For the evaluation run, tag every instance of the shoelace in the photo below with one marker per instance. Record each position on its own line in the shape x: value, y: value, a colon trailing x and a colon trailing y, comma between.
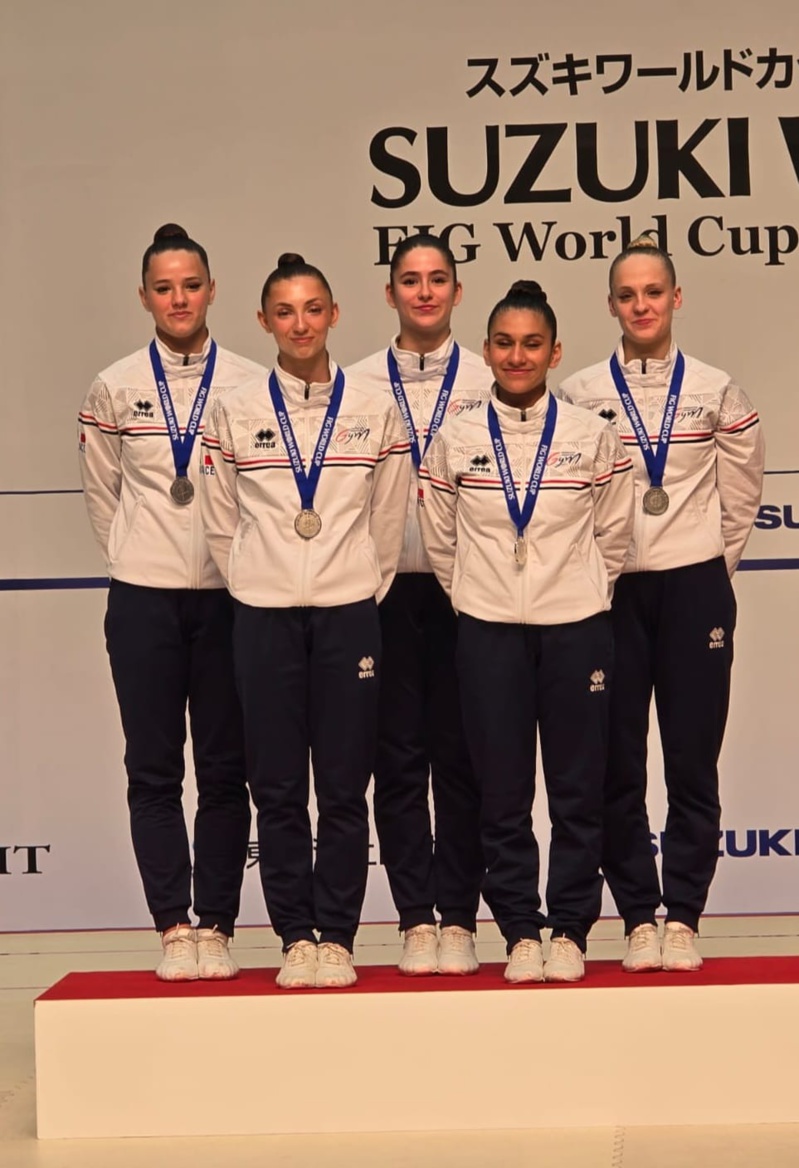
x: 524, y: 950
x: 179, y: 945
x: 680, y: 939
x: 332, y: 954
x: 417, y: 942
x: 298, y: 954
x: 459, y: 940
x: 561, y: 947
x: 642, y: 939
x: 214, y: 946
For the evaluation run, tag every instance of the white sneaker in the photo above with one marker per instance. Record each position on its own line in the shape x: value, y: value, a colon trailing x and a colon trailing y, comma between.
x: 419, y: 951
x: 565, y: 961
x: 526, y: 962
x: 335, y: 969
x: 679, y: 951
x: 643, y: 950
x: 456, y: 951
x: 298, y: 971
x: 179, y: 962
x: 214, y: 962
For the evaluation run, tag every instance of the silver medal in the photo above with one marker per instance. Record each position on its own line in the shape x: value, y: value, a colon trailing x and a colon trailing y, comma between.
x: 520, y: 551
x: 307, y: 524
x: 182, y: 491
x: 656, y: 501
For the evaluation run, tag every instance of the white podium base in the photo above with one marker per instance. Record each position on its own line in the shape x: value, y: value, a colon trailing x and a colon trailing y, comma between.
x: 120, y: 1054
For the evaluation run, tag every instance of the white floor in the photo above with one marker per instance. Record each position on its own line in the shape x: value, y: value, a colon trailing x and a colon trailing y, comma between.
x: 31, y: 962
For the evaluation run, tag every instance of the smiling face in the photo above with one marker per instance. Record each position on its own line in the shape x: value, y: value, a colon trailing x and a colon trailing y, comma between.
x: 298, y: 313
x: 424, y: 291
x: 643, y: 300
x: 177, y: 293
x: 520, y: 353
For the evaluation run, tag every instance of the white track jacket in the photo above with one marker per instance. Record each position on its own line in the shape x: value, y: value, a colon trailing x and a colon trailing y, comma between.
x: 127, y: 467
x: 250, y: 498
x: 576, y: 540
x: 422, y: 377
x: 714, y: 470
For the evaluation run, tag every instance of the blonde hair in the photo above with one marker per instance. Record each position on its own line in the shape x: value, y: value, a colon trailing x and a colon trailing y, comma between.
x: 644, y: 244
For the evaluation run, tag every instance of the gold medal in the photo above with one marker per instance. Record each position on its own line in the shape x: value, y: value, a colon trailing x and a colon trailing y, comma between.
x: 307, y: 524
x: 520, y: 551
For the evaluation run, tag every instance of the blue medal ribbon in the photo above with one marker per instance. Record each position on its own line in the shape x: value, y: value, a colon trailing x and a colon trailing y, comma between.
x: 306, y: 483
x: 182, y: 446
x: 417, y: 453
x: 655, y: 460
x: 521, y: 516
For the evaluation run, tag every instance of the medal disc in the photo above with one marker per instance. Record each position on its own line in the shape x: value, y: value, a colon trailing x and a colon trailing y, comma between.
x: 182, y: 491
x: 307, y: 524
x: 520, y: 552
x: 656, y: 501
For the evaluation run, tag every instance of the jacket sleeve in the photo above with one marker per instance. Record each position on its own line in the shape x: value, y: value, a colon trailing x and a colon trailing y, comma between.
x: 614, y: 502
x: 100, y: 447
x: 740, y: 461
x: 219, y: 501
x: 389, y: 507
x: 438, y: 501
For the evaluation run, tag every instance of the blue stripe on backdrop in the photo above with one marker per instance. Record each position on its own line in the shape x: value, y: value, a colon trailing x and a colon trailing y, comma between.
x: 55, y: 583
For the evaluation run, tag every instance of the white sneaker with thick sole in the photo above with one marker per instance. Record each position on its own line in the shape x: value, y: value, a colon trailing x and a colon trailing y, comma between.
x: 335, y: 969
x: 643, y: 950
x: 419, y: 951
x: 565, y: 961
x: 179, y: 962
x: 214, y: 962
x: 525, y: 962
x: 456, y: 952
x: 298, y: 971
x: 680, y: 954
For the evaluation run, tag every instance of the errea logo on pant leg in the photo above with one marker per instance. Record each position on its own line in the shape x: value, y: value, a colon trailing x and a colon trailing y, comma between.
x: 366, y: 667
x: 597, y: 681
x: 716, y: 639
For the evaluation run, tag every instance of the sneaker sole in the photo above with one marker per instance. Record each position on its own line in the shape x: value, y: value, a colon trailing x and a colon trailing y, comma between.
x: 449, y: 972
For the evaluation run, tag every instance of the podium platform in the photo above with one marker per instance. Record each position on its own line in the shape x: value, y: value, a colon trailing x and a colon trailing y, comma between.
x: 121, y: 1054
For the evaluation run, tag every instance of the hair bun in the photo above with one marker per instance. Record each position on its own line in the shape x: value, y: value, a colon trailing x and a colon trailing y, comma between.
x: 528, y: 288
x: 643, y: 240
x: 288, y: 258
x: 170, y: 231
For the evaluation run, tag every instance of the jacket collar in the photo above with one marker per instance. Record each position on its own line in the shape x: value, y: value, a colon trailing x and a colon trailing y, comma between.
x: 414, y: 367
x: 514, y: 418
x: 301, y: 393
x: 173, y: 362
x: 655, y: 368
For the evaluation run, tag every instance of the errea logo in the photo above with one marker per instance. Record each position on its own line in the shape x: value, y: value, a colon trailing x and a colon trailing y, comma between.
x: 366, y: 667
x: 264, y: 440
x: 597, y: 680
x: 716, y: 639
x: 142, y: 408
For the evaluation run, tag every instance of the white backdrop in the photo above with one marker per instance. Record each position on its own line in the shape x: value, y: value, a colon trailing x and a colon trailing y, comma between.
x: 333, y: 129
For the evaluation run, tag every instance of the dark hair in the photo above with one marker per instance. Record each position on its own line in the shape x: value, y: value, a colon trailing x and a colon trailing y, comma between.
x: 422, y: 240
x: 290, y: 265
x: 525, y: 294
x: 643, y: 245
x: 173, y: 237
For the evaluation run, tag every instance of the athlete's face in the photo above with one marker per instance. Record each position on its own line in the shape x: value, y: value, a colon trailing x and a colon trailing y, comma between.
x: 643, y: 299
x: 177, y: 292
x: 424, y: 292
x: 299, y: 313
x: 520, y: 353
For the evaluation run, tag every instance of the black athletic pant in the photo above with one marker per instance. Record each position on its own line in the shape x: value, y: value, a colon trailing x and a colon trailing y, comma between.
x: 308, y: 680
x: 169, y: 647
x: 421, y: 734
x: 674, y: 634
x: 515, y: 678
